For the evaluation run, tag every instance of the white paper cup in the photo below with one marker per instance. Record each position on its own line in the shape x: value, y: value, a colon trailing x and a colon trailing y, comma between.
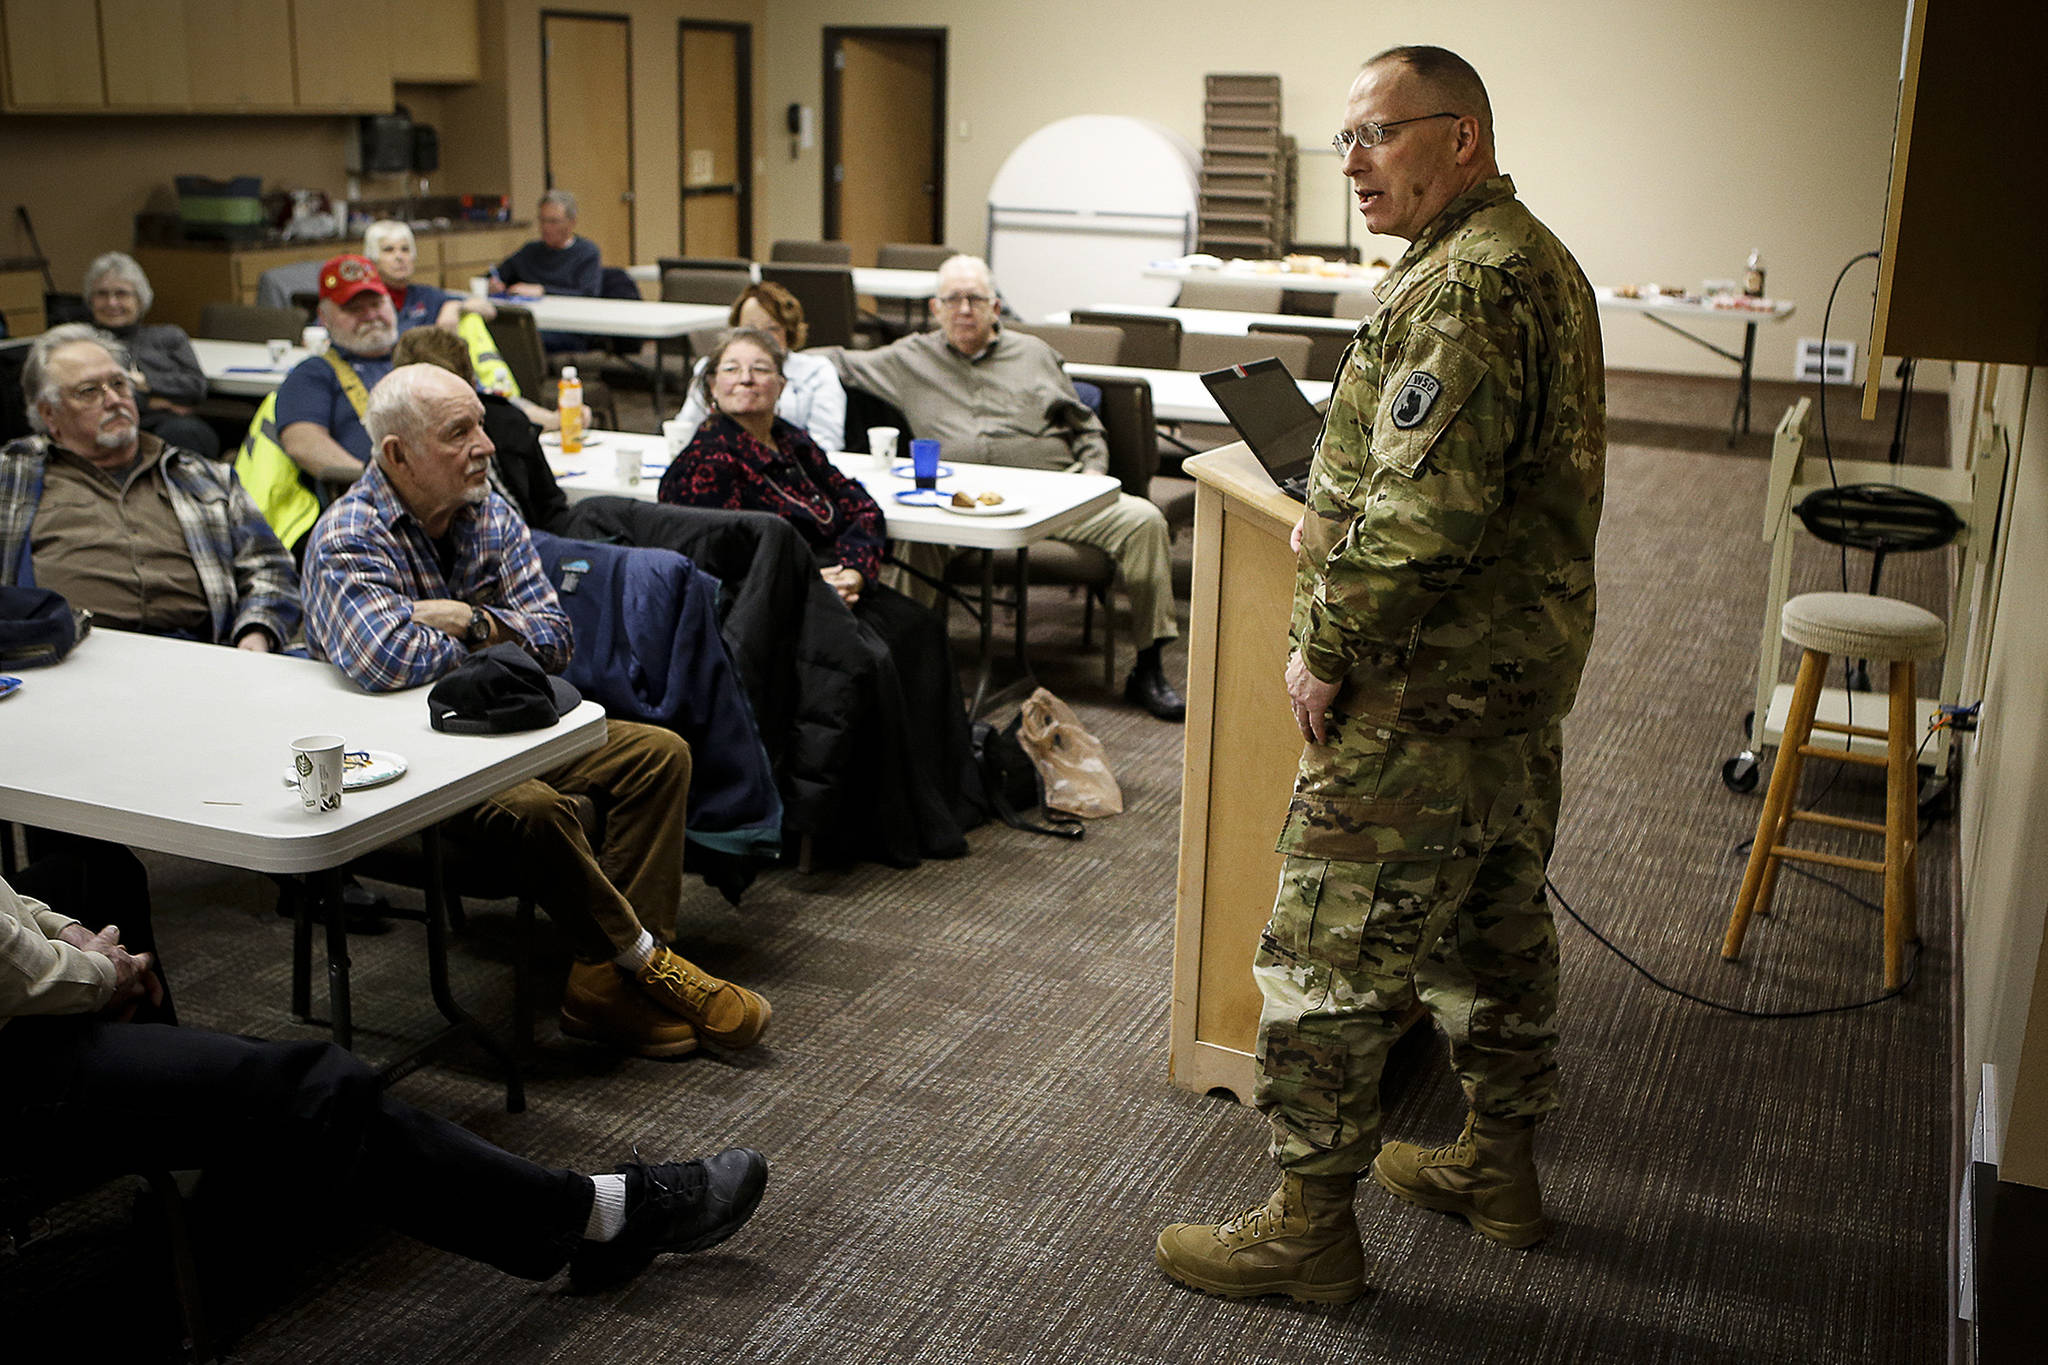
x: 672, y: 437
x: 628, y: 456
x: 316, y: 766
x: 278, y: 348
x: 479, y: 286
x: 314, y: 339
x: 882, y: 445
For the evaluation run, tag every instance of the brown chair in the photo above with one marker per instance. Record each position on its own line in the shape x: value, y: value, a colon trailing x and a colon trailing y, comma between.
x: 1325, y: 347
x: 1205, y: 351
x: 518, y: 340
x: 739, y: 263
x: 680, y: 285
x: 1077, y: 344
x: 812, y: 253
x: 1150, y: 343
x: 249, y: 322
x: 1132, y: 436
x: 912, y: 256
x: 826, y: 293
x: 1243, y: 296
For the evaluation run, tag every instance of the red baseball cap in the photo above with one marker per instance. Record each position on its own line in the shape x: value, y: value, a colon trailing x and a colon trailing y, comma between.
x: 344, y: 277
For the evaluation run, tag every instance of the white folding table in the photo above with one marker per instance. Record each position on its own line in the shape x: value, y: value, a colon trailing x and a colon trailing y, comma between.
x: 1046, y: 501
x: 1663, y: 308
x: 242, y: 369
x: 1180, y: 395
x: 1356, y: 279
x: 183, y: 747
x: 1226, y: 322
x: 639, y: 319
x: 874, y: 281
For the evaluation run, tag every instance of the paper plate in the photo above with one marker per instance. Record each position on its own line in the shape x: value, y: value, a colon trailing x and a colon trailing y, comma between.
x: 554, y: 438
x: 1005, y: 508
x: 907, y: 471
x: 361, y: 768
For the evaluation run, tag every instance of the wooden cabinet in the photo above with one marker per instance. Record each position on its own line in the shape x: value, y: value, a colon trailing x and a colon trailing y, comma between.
x: 239, y: 53
x: 1962, y: 275
x: 440, y: 45
x: 339, y: 55
x: 143, y: 47
x: 21, y: 300
x: 229, y: 56
x: 53, y: 56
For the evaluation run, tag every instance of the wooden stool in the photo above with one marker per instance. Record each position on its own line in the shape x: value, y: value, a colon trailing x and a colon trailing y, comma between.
x: 1850, y: 625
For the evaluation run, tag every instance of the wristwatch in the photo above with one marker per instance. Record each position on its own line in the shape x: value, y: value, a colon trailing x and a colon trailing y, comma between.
x: 479, y: 633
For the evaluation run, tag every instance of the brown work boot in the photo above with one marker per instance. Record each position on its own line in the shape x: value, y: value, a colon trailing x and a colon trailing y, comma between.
x: 601, y: 1006
x: 1488, y: 1177
x: 1303, y: 1242
x: 729, y: 1015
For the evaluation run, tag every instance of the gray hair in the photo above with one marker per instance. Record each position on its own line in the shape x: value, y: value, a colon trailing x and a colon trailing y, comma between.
x: 765, y: 340
x: 37, y: 387
x: 395, y: 409
x: 375, y: 234
x: 561, y: 199
x: 974, y: 263
x: 123, y: 267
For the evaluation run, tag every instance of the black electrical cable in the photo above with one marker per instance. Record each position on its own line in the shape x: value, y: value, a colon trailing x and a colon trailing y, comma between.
x: 1912, y: 967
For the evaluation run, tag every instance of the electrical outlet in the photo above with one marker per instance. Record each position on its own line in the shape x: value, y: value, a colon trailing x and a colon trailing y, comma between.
x: 1841, y: 361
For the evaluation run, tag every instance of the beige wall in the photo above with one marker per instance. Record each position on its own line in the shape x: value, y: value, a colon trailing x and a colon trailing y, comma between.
x: 2005, y: 806
x: 1662, y: 139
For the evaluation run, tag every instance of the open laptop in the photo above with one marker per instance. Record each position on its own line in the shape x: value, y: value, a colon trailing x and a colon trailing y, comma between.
x: 1265, y: 405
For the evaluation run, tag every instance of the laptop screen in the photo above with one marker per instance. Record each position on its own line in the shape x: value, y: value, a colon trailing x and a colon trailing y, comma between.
x: 1266, y: 406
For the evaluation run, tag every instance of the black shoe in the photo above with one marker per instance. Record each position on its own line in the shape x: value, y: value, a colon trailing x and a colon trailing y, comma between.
x: 1148, y: 687
x: 677, y: 1207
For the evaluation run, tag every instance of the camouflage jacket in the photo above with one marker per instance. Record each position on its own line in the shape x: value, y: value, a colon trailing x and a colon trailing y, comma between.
x: 1446, y: 571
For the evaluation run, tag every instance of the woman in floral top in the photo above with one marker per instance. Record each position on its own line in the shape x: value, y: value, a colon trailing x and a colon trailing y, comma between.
x: 745, y: 457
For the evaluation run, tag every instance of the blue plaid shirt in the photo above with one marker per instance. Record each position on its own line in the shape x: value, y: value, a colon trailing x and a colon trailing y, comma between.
x: 369, y: 559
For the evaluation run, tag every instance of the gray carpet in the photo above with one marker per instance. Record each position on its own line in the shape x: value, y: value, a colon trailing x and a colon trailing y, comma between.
x: 964, y: 1098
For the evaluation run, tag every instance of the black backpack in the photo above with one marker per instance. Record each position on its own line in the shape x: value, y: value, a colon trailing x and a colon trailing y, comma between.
x: 1010, y: 780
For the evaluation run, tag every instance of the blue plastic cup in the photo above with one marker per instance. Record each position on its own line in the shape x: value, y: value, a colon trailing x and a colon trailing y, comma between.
x: 924, y: 462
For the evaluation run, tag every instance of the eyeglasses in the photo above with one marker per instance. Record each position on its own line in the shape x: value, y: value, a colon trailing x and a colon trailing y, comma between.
x: 965, y: 300
x: 1373, y: 134
x: 732, y: 369
x: 96, y: 392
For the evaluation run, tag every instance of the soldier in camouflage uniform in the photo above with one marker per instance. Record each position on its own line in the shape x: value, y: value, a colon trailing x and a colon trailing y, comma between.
x: 1443, y: 609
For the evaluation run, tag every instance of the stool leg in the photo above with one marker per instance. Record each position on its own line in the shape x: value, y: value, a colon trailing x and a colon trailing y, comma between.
x: 1901, y: 832
x: 1777, y: 802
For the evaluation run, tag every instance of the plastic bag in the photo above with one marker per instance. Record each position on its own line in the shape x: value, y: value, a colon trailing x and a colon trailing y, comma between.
x: 1070, y: 760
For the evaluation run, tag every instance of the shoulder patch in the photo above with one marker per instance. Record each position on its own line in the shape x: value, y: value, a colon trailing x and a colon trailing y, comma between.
x: 1418, y: 393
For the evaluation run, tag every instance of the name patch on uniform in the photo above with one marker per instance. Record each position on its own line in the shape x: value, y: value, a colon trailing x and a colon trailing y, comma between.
x: 1418, y: 394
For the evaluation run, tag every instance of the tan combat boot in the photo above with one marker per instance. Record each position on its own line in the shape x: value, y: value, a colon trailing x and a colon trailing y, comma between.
x: 1303, y: 1242
x: 1488, y: 1176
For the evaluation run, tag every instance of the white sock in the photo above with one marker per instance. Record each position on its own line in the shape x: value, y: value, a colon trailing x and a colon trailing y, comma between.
x: 607, y: 1208
x: 636, y: 957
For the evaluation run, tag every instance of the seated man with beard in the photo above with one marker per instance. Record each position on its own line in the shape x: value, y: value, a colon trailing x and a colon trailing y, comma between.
x: 321, y: 403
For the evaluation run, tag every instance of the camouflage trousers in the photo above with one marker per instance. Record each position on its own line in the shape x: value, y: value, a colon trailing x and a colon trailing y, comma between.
x: 1438, y: 897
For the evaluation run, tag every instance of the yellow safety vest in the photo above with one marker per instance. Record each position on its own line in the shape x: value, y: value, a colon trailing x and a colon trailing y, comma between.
x: 273, y: 480
x: 493, y: 375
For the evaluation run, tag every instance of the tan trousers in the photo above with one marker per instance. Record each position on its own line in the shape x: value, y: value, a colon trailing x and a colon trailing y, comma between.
x: 639, y: 781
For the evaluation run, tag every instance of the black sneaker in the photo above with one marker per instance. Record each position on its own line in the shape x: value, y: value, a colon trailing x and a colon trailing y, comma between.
x: 676, y: 1207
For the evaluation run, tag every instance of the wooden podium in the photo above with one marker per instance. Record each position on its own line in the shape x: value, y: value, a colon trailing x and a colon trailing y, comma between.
x: 1242, y: 750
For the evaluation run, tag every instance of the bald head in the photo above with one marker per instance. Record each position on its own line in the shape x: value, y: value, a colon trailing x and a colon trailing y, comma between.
x: 1441, y: 73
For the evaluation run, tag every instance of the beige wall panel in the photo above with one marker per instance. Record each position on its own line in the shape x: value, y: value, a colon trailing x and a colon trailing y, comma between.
x: 1661, y: 140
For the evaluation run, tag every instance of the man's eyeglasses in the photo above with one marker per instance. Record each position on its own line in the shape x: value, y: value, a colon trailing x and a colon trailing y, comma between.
x: 1373, y: 134
x: 965, y: 300
x: 732, y: 369
x: 96, y: 392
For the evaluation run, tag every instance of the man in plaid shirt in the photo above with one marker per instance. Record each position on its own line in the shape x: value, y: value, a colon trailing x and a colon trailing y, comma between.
x: 144, y: 535
x: 419, y: 564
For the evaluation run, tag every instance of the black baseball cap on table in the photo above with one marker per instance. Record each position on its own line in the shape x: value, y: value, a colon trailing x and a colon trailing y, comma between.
x: 499, y: 691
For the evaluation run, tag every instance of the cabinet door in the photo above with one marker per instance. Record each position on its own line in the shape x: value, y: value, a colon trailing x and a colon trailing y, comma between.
x: 53, y: 55
x: 144, y: 47
x: 440, y: 43
x: 339, y: 57
x: 239, y: 54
